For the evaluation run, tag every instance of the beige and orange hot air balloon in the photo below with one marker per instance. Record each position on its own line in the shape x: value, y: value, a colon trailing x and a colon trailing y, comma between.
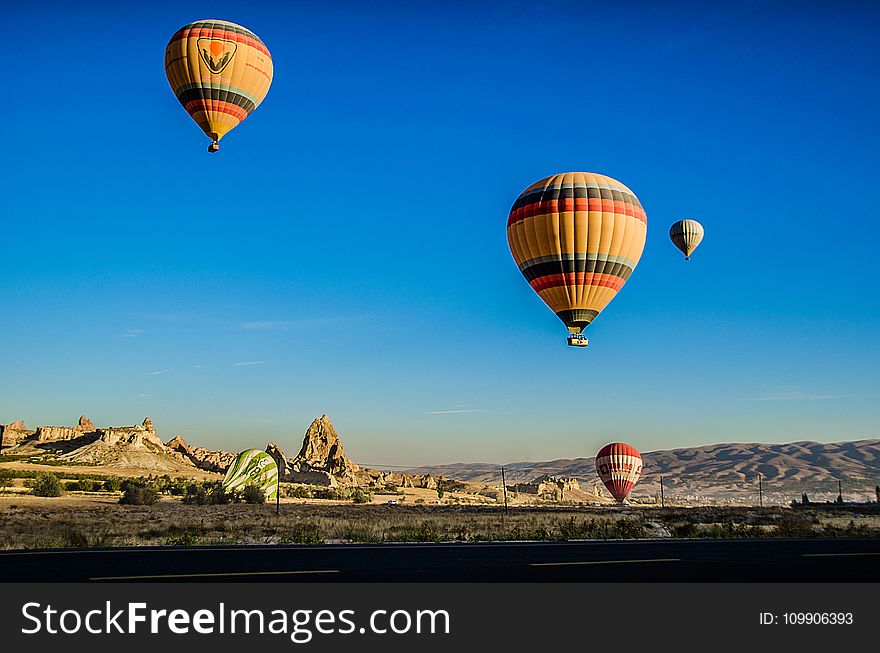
x: 576, y: 238
x: 220, y: 72
x: 686, y: 235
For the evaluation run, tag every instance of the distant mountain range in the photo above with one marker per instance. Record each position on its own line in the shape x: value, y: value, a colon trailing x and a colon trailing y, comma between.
x: 727, y: 470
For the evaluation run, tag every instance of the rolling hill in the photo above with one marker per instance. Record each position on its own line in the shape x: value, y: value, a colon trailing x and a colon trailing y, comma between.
x: 726, y: 471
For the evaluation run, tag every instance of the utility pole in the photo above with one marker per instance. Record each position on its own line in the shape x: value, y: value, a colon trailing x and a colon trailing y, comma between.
x: 278, y: 500
x: 760, y: 490
x: 662, y: 503
x: 504, y: 488
x: 839, y: 491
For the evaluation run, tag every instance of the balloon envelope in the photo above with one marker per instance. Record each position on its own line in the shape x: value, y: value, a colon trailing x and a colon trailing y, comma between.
x: 576, y: 238
x: 619, y: 466
x: 253, y: 467
x: 219, y: 71
x: 686, y: 235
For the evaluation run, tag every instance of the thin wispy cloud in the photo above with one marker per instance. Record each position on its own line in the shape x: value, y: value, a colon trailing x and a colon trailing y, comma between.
x: 143, y: 395
x: 157, y: 372
x: 267, y: 324
x: 452, y: 411
x: 248, y: 363
x: 131, y: 333
x: 284, y: 325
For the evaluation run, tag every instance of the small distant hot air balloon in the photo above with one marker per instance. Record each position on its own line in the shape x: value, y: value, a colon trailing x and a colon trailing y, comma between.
x: 576, y: 238
x: 619, y: 466
x: 686, y: 235
x: 220, y: 72
x: 253, y: 467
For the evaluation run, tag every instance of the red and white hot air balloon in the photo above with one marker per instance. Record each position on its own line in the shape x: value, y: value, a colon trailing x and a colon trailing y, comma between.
x: 619, y: 466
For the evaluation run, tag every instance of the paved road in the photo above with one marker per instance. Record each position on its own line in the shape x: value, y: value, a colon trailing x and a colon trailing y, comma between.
x: 767, y: 560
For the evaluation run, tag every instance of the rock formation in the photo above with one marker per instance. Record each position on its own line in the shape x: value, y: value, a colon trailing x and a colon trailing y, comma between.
x: 321, y: 459
x: 206, y: 459
x: 56, y: 433
x: 11, y: 435
x: 280, y: 459
x: 546, y: 486
x: 322, y: 449
x: 135, y: 436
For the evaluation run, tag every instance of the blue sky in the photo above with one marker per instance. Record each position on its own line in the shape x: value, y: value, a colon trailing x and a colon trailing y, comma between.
x: 345, y: 252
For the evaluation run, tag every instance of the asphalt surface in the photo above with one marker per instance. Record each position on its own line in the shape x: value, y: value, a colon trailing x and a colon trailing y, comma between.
x: 765, y: 560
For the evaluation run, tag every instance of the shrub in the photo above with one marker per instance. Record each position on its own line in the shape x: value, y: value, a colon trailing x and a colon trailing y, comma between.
x: 195, y: 495
x: 201, y: 494
x: 572, y: 529
x: 298, y: 491
x: 427, y: 531
x: 253, y: 494
x: 359, y: 496
x: 306, y: 533
x: 795, y: 527
x: 334, y: 493
x: 6, y: 477
x: 112, y: 484
x: 47, y: 485
x: 138, y: 495
x: 684, y: 529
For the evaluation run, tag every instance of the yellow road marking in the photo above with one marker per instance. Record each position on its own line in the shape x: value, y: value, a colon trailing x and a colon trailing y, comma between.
x: 221, y: 574
x: 838, y: 555
x: 601, y: 562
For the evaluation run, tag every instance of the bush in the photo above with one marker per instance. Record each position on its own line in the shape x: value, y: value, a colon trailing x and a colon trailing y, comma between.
x: 253, y: 494
x: 572, y: 529
x: 201, y: 494
x: 359, y: 496
x: 684, y: 529
x: 306, y: 533
x: 47, y: 485
x: 6, y: 477
x: 138, y: 495
x: 298, y: 491
x: 330, y: 493
x: 112, y: 484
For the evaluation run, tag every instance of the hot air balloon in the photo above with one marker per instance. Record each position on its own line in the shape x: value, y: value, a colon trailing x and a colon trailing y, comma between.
x: 619, y: 466
x: 686, y: 235
x: 220, y: 72
x: 576, y: 238
x: 253, y: 467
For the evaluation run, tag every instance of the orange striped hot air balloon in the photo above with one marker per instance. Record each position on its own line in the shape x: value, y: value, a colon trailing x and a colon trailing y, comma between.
x: 619, y: 466
x: 220, y: 72
x: 576, y: 238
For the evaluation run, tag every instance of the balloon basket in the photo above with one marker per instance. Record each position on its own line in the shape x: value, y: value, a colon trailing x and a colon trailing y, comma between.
x: 577, y: 340
x: 213, y: 147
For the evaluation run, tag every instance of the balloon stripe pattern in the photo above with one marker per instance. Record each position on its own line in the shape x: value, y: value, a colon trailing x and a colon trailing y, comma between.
x: 686, y: 235
x: 219, y: 71
x: 576, y: 238
x: 619, y: 466
x: 253, y: 467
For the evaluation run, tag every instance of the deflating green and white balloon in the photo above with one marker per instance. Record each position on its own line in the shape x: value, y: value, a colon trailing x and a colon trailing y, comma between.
x: 253, y: 467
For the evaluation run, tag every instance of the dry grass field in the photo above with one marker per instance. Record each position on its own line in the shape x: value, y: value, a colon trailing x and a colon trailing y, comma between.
x: 83, y: 520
